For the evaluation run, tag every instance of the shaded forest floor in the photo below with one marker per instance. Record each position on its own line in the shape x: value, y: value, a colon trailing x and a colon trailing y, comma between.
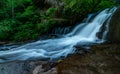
x: 103, y: 59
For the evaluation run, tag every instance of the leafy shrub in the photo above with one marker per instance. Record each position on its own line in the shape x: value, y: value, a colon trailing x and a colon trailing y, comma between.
x: 83, y: 7
x: 51, y: 11
x: 31, y: 20
x: 106, y: 4
x: 5, y: 30
x: 25, y: 35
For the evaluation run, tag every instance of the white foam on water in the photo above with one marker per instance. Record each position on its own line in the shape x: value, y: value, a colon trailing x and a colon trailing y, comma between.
x: 56, y: 48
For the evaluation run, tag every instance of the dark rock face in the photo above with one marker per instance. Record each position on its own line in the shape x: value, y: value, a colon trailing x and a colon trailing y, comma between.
x: 98, y: 62
x: 114, y: 29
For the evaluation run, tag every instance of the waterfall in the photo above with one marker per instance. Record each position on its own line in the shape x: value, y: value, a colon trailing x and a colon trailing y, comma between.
x: 53, y: 49
x: 107, y: 24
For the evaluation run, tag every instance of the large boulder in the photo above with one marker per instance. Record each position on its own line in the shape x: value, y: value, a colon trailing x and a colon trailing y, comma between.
x: 114, y: 29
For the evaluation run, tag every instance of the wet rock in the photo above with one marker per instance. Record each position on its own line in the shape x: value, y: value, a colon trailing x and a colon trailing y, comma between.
x: 26, y: 67
x: 8, y: 47
x: 114, y: 29
x: 84, y: 44
x: 50, y: 36
x: 99, y: 62
x: 83, y: 47
x: 52, y: 71
x: 2, y: 43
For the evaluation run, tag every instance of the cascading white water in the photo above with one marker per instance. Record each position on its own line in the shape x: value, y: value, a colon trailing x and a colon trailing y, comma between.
x: 56, y: 48
x: 107, y: 26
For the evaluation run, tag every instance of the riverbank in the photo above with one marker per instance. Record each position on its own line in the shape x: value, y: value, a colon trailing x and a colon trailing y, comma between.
x: 103, y: 59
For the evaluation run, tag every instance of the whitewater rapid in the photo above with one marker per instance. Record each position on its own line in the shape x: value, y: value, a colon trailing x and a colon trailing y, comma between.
x: 53, y: 49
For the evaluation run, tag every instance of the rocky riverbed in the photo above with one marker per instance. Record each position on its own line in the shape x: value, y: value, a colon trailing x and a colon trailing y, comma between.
x: 103, y: 59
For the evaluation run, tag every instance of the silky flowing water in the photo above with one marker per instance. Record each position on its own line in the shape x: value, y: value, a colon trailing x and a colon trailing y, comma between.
x: 53, y: 49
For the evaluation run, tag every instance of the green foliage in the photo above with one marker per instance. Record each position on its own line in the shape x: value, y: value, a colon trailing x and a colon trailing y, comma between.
x: 28, y: 11
x: 106, y: 4
x: 5, y: 30
x: 83, y: 7
x: 25, y: 35
x: 31, y: 24
x: 49, y: 14
x: 25, y: 32
x: 51, y: 11
x: 22, y: 20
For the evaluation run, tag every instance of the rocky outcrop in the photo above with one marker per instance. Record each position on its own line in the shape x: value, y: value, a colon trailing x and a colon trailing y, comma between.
x: 103, y: 59
x: 100, y: 61
x: 28, y: 67
x: 114, y: 29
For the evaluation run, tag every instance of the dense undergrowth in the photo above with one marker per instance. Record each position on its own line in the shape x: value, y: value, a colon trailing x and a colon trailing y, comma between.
x: 22, y: 20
